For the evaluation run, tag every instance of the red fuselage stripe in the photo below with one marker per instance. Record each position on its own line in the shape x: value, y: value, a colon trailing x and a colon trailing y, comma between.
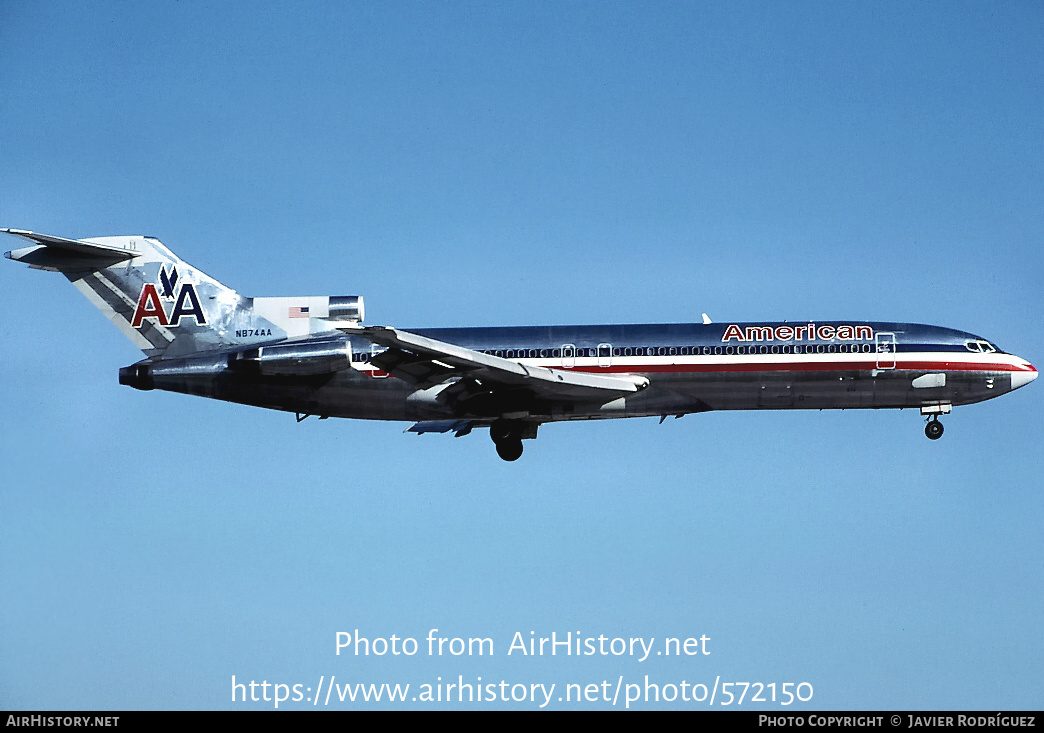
x: 809, y: 366
x: 791, y: 366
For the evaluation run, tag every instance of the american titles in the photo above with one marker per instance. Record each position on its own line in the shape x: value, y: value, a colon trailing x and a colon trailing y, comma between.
x: 805, y: 332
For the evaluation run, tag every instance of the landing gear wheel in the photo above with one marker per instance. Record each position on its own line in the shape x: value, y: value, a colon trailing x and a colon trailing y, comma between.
x: 934, y: 429
x: 502, y: 430
x: 507, y: 436
x: 510, y: 449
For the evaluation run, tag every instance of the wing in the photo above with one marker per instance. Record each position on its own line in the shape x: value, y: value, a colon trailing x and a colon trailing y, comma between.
x: 454, y: 373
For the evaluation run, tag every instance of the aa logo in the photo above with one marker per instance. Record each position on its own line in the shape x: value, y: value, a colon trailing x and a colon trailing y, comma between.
x: 150, y: 301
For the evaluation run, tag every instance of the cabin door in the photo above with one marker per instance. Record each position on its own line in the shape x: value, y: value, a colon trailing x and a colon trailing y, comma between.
x: 885, y: 343
x: 568, y: 356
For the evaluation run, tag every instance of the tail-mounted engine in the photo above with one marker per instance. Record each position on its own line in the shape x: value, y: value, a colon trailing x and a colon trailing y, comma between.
x: 294, y: 359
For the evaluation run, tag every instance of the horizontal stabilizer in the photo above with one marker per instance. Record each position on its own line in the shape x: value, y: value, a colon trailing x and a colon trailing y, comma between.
x: 68, y: 246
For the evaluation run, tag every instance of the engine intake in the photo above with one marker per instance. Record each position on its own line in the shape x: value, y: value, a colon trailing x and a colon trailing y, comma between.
x: 346, y: 308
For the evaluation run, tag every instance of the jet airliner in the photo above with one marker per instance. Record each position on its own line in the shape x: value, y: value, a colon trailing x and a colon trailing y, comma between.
x: 315, y: 356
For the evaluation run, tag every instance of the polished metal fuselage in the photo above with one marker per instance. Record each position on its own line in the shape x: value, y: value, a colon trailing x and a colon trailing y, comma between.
x: 690, y: 367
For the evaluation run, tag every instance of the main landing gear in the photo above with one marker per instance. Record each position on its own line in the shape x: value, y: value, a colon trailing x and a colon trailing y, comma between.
x: 508, y: 439
x: 934, y: 428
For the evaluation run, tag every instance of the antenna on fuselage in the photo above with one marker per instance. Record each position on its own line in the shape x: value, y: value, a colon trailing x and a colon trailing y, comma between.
x: 706, y: 319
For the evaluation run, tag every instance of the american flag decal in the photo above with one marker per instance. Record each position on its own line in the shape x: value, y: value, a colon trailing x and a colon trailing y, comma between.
x: 299, y: 312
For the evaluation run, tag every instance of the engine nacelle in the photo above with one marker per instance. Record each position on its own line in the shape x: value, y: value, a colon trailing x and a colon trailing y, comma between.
x: 295, y: 359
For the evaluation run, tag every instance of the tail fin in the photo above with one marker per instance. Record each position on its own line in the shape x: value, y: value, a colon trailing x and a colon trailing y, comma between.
x: 167, y: 307
x: 160, y: 302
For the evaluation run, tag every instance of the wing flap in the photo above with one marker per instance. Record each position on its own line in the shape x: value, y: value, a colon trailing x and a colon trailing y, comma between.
x: 459, y: 428
x: 425, y: 362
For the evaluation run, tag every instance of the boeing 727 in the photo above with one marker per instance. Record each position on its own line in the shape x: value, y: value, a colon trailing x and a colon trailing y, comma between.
x: 314, y: 356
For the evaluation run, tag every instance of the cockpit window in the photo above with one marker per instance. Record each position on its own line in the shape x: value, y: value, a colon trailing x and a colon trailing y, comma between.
x: 980, y: 346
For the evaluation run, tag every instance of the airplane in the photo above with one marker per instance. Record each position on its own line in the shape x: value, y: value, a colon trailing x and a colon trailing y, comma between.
x: 315, y: 356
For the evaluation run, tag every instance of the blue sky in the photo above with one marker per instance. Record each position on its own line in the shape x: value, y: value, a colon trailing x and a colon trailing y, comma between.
x: 468, y: 164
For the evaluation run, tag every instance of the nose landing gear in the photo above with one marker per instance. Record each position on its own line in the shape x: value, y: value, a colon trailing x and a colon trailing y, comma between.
x: 934, y: 428
x: 932, y: 410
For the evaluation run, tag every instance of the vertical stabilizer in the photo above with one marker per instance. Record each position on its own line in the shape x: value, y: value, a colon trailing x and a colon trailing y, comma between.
x: 164, y: 305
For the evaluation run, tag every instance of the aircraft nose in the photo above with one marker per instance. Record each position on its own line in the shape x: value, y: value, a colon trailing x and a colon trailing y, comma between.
x: 1023, y: 377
